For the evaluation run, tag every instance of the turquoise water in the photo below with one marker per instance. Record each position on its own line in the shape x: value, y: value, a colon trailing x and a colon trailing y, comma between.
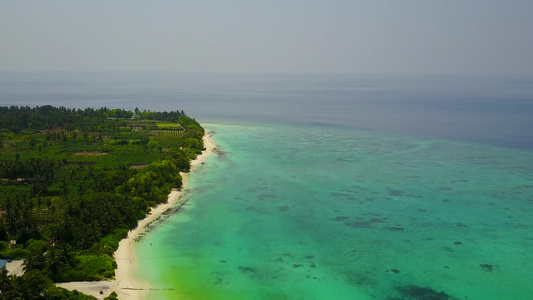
x: 294, y: 212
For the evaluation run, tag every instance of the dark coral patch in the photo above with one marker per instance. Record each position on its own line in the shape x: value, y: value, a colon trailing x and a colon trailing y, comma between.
x: 460, y: 181
x: 339, y: 195
x: 422, y: 293
x: 396, y: 193
x: 297, y: 265
x: 395, y: 271
x: 284, y: 208
x: 361, y: 224
x: 247, y: 269
x: 395, y: 228
x: 487, y: 267
x: 359, y: 187
x: 457, y: 243
x: 267, y: 196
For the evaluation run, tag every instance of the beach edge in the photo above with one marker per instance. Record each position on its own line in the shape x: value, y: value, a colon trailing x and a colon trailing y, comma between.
x: 126, y: 284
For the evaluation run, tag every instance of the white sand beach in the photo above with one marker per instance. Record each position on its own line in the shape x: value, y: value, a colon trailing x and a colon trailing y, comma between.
x: 125, y: 284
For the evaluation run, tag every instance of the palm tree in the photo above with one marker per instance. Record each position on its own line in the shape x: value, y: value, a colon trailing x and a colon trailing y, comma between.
x: 5, y: 283
x: 53, y: 260
x: 36, y: 259
x: 59, y: 256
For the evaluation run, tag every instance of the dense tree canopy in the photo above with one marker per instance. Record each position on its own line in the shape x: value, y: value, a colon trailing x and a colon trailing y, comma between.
x: 73, y: 182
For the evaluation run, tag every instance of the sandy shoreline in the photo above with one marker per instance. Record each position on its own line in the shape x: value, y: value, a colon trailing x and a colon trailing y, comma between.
x: 125, y: 285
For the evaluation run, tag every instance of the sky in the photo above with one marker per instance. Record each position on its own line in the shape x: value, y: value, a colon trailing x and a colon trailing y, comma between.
x: 298, y: 36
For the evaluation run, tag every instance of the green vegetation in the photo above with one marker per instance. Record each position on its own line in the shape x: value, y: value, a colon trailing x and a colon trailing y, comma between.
x: 35, y: 285
x: 163, y: 125
x: 73, y: 182
x: 112, y: 296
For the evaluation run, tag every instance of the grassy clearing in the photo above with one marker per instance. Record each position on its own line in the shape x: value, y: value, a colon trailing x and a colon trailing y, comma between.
x: 167, y: 125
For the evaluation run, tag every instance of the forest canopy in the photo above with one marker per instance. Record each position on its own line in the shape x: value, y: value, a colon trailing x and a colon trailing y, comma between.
x: 73, y: 182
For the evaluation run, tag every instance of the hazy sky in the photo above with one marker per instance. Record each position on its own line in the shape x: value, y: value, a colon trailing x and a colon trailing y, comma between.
x: 446, y: 36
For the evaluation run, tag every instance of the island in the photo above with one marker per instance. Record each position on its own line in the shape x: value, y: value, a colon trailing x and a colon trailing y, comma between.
x: 74, y: 183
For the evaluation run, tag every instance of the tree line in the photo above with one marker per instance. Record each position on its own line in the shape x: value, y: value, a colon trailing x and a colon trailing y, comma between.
x: 17, y: 118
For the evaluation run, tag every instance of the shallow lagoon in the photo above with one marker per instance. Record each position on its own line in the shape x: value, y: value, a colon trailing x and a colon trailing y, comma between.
x: 293, y: 212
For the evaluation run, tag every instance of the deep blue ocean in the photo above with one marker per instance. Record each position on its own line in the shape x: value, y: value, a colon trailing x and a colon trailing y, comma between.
x: 334, y: 186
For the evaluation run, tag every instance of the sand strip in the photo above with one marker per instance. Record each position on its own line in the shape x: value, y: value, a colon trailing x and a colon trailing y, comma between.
x: 15, y: 267
x: 126, y: 285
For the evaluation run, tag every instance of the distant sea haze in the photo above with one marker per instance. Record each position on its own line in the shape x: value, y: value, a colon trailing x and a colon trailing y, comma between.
x: 484, y: 109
